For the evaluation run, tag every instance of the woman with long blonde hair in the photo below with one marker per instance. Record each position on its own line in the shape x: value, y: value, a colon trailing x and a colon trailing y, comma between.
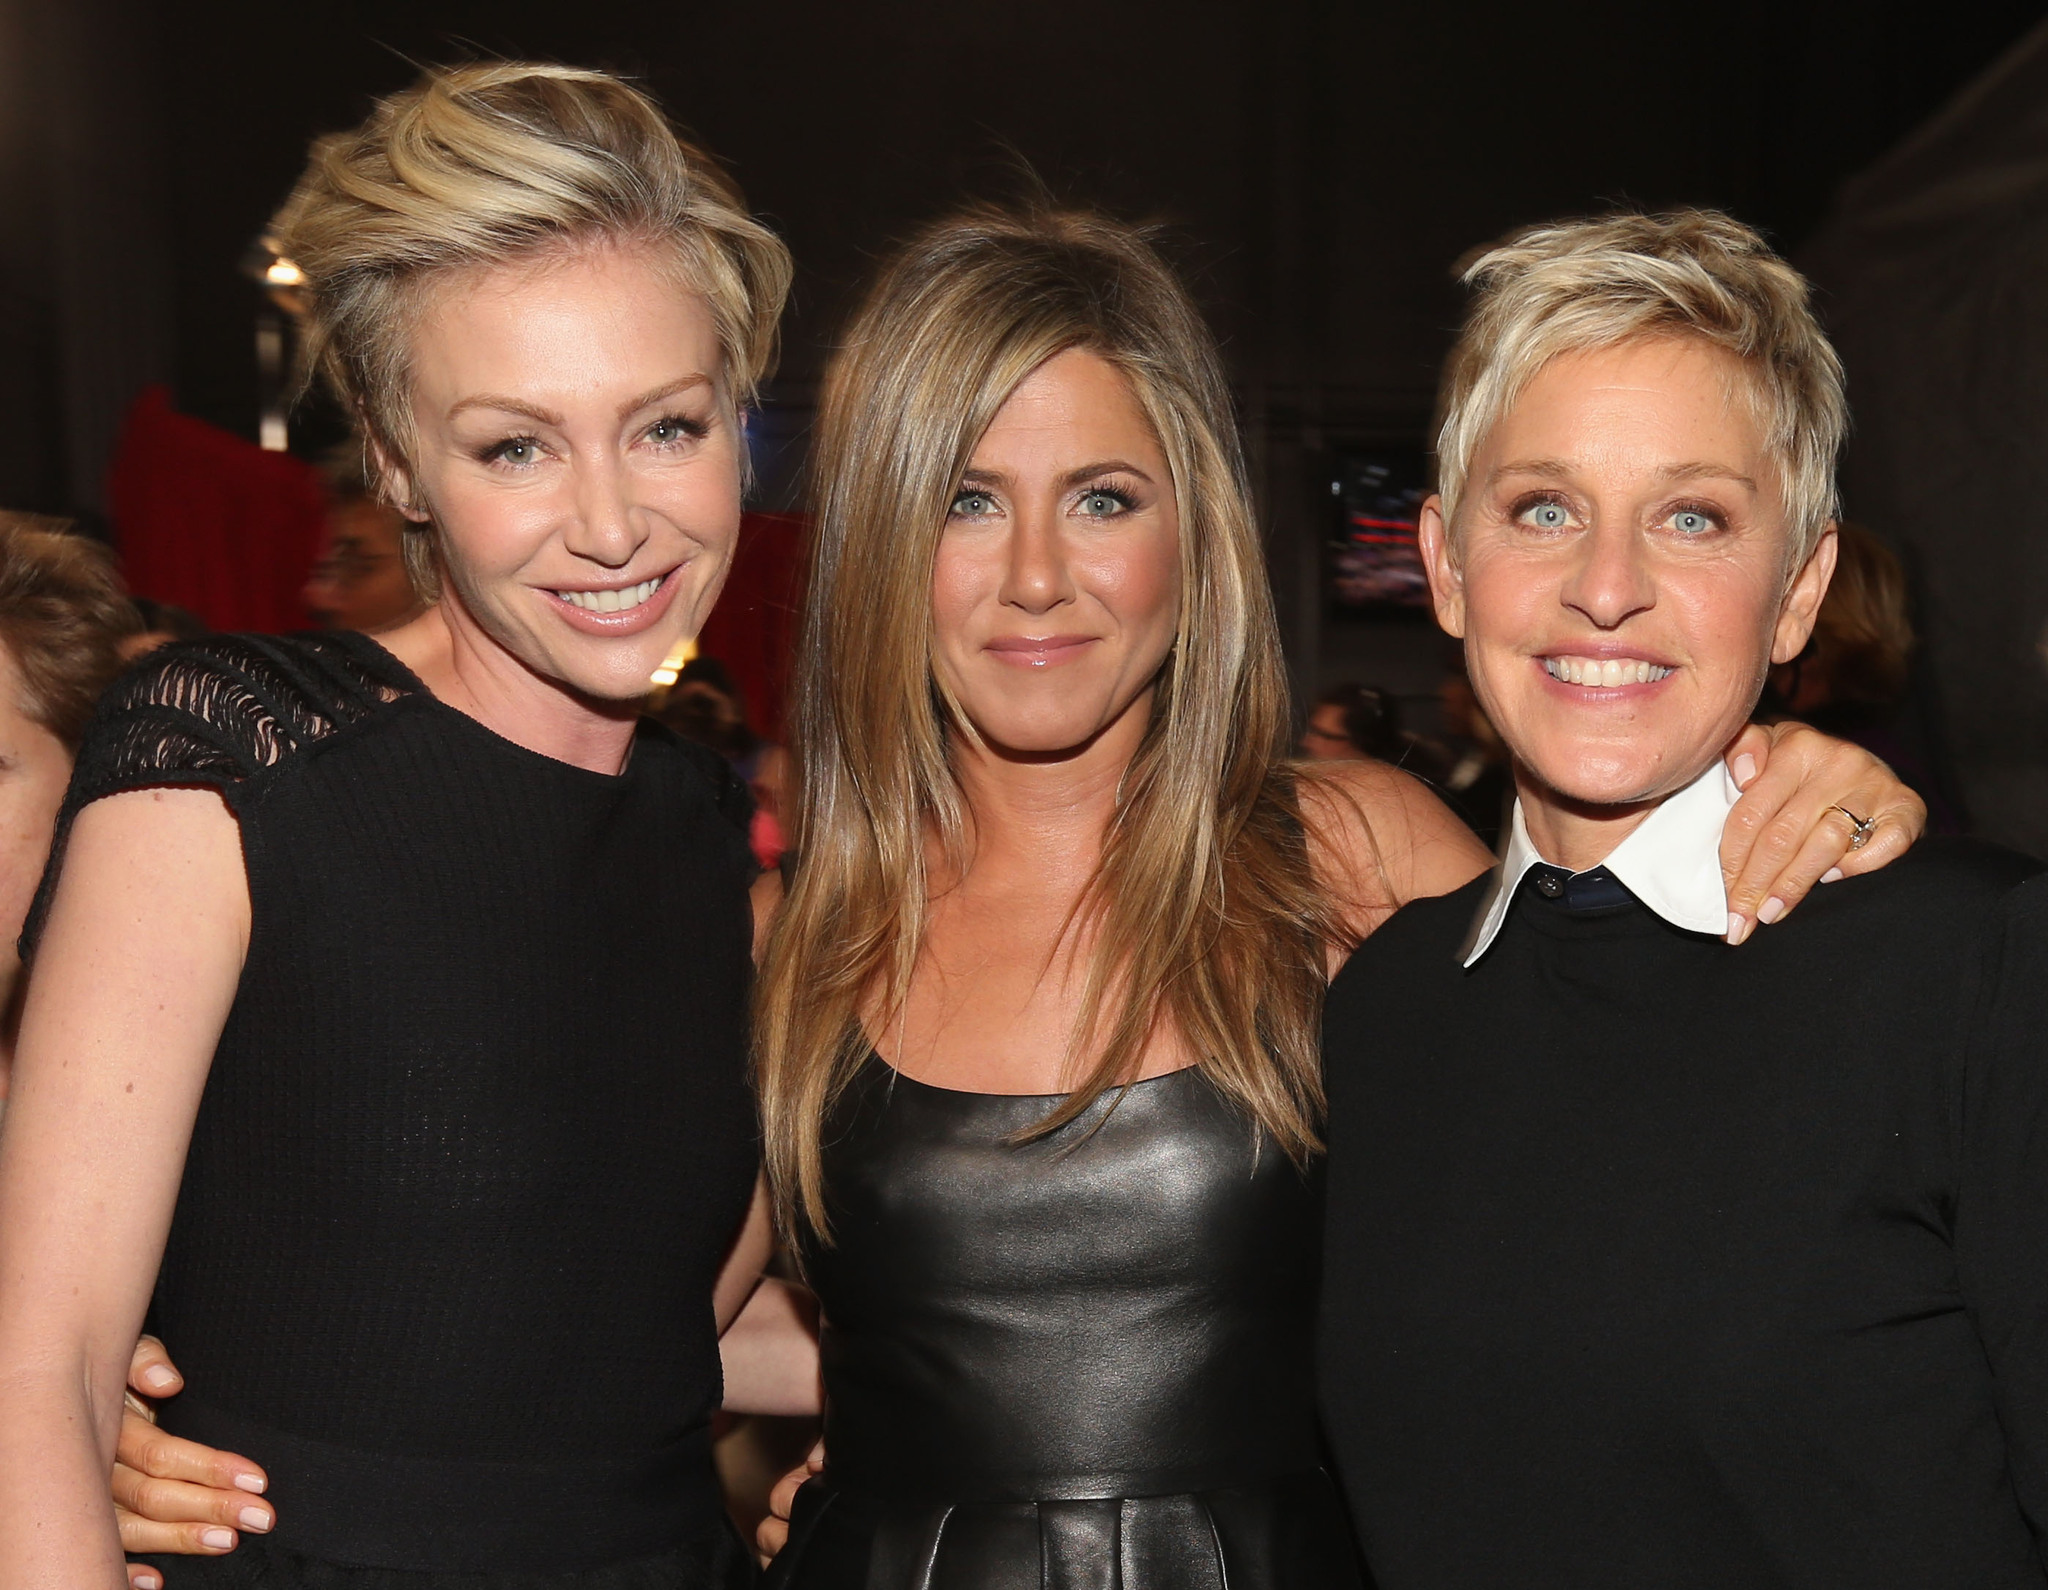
x: 1037, y: 1032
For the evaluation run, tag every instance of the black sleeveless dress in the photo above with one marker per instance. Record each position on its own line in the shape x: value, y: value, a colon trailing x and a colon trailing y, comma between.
x: 1087, y: 1361
x: 475, y: 1139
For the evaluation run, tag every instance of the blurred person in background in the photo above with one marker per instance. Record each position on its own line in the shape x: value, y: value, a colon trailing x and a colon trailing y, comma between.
x: 1851, y: 679
x: 360, y: 580
x: 64, y: 623
x: 1351, y: 721
x: 159, y: 624
x: 704, y: 705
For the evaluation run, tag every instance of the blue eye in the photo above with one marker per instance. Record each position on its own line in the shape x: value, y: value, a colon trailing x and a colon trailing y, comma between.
x: 973, y: 505
x: 1691, y: 522
x: 1548, y: 515
x: 1103, y: 504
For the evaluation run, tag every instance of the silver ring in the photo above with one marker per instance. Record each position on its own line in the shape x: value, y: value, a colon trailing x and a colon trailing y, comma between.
x: 1865, y: 826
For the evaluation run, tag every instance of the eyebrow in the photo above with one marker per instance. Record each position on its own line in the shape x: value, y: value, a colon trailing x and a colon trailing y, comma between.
x: 544, y: 416
x: 1073, y: 477
x: 1558, y: 469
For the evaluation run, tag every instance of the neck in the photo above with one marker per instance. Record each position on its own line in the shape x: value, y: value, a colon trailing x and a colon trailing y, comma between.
x: 468, y: 670
x: 1044, y: 814
x: 1575, y: 834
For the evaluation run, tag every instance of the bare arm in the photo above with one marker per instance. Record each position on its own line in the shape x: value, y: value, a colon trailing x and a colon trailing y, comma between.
x: 1379, y: 838
x: 770, y: 1353
x: 132, y: 984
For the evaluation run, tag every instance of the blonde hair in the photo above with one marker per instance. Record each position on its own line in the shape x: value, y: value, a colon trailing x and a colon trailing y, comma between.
x: 493, y: 162
x: 1577, y: 286
x: 1204, y: 913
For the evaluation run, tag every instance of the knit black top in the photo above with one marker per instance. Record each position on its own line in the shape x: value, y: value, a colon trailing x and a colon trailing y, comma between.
x: 477, y: 1134
x: 1656, y: 1262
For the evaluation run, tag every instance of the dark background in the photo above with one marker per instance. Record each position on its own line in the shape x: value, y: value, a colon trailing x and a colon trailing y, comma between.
x: 1320, y: 166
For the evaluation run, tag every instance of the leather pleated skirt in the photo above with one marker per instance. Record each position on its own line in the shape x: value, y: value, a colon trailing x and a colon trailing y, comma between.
x: 1284, y: 1534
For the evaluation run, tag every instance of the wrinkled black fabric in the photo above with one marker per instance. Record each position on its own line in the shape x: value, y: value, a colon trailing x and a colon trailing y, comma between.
x: 477, y: 1132
x: 1079, y: 1362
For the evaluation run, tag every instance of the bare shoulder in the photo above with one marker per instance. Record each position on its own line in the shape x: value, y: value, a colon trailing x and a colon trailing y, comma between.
x: 1379, y: 838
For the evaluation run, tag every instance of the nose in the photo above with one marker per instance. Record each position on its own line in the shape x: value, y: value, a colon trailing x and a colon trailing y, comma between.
x: 1036, y: 578
x: 604, y: 527
x: 1611, y: 580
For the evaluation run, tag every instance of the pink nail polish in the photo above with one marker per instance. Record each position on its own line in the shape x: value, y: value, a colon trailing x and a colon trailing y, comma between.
x: 218, y: 1539
x: 1770, y: 910
x: 250, y: 1482
x: 1738, y: 928
x: 1744, y: 770
x: 256, y: 1518
x: 1833, y: 875
x: 158, y: 1378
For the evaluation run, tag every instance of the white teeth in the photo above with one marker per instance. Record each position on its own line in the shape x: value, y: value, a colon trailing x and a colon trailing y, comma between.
x: 611, y: 601
x: 1603, y: 673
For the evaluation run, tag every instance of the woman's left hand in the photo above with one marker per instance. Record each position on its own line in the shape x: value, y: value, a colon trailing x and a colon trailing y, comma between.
x: 1793, y: 827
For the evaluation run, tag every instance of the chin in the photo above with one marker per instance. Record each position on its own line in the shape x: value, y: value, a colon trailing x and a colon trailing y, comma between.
x: 1604, y: 775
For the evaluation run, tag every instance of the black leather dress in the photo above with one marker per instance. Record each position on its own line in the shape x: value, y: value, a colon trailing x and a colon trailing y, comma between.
x: 1085, y: 1361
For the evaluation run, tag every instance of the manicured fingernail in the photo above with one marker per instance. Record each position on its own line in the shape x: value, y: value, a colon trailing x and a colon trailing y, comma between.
x: 249, y: 1482
x: 1738, y: 928
x: 1745, y: 770
x: 158, y: 1378
x: 218, y: 1539
x: 1770, y: 910
x: 256, y: 1518
x: 147, y: 1581
x: 1832, y: 875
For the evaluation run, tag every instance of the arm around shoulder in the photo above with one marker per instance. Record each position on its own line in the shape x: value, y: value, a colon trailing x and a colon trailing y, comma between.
x: 134, y: 973
x: 1379, y: 838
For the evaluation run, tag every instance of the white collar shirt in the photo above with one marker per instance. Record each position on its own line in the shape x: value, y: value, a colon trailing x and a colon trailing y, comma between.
x: 1671, y: 862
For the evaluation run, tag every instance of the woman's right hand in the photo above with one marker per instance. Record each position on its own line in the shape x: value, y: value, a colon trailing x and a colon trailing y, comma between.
x: 773, y: 1534
x: 174, y: 1495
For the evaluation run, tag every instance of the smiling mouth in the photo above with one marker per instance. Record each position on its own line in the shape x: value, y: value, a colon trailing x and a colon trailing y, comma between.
x: 620, y: 601
x: 1032, y: 651
x: 1604, y: 673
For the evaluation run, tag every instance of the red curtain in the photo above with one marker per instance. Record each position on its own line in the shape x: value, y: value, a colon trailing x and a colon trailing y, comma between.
x: 210, y: 522
x: 752, y: 630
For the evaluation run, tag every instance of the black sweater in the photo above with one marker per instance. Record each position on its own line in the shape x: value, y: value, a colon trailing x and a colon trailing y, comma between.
x: 477, y: 1134
x: 1653, y: 1262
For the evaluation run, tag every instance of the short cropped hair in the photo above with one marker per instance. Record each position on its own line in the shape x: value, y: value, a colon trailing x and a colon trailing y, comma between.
x: 63, y: 616
x: 1578, y: 286
x: 490, y: 163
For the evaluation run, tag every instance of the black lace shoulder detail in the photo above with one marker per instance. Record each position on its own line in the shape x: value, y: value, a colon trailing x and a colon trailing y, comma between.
x: 222, y: 710
x: 216, y: 713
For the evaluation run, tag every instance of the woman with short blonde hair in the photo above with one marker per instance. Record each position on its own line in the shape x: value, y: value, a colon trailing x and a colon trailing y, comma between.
x: 1622, y: 1289
x: 387, y: 1029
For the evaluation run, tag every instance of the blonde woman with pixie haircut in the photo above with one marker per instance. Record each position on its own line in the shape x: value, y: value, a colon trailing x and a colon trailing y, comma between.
x: 1651, y: 1261
x: 1038, y: 1023
x: 386, y: 1033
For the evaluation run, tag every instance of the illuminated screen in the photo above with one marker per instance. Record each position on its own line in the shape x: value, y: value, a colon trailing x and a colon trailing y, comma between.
x: 1374, y: 561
